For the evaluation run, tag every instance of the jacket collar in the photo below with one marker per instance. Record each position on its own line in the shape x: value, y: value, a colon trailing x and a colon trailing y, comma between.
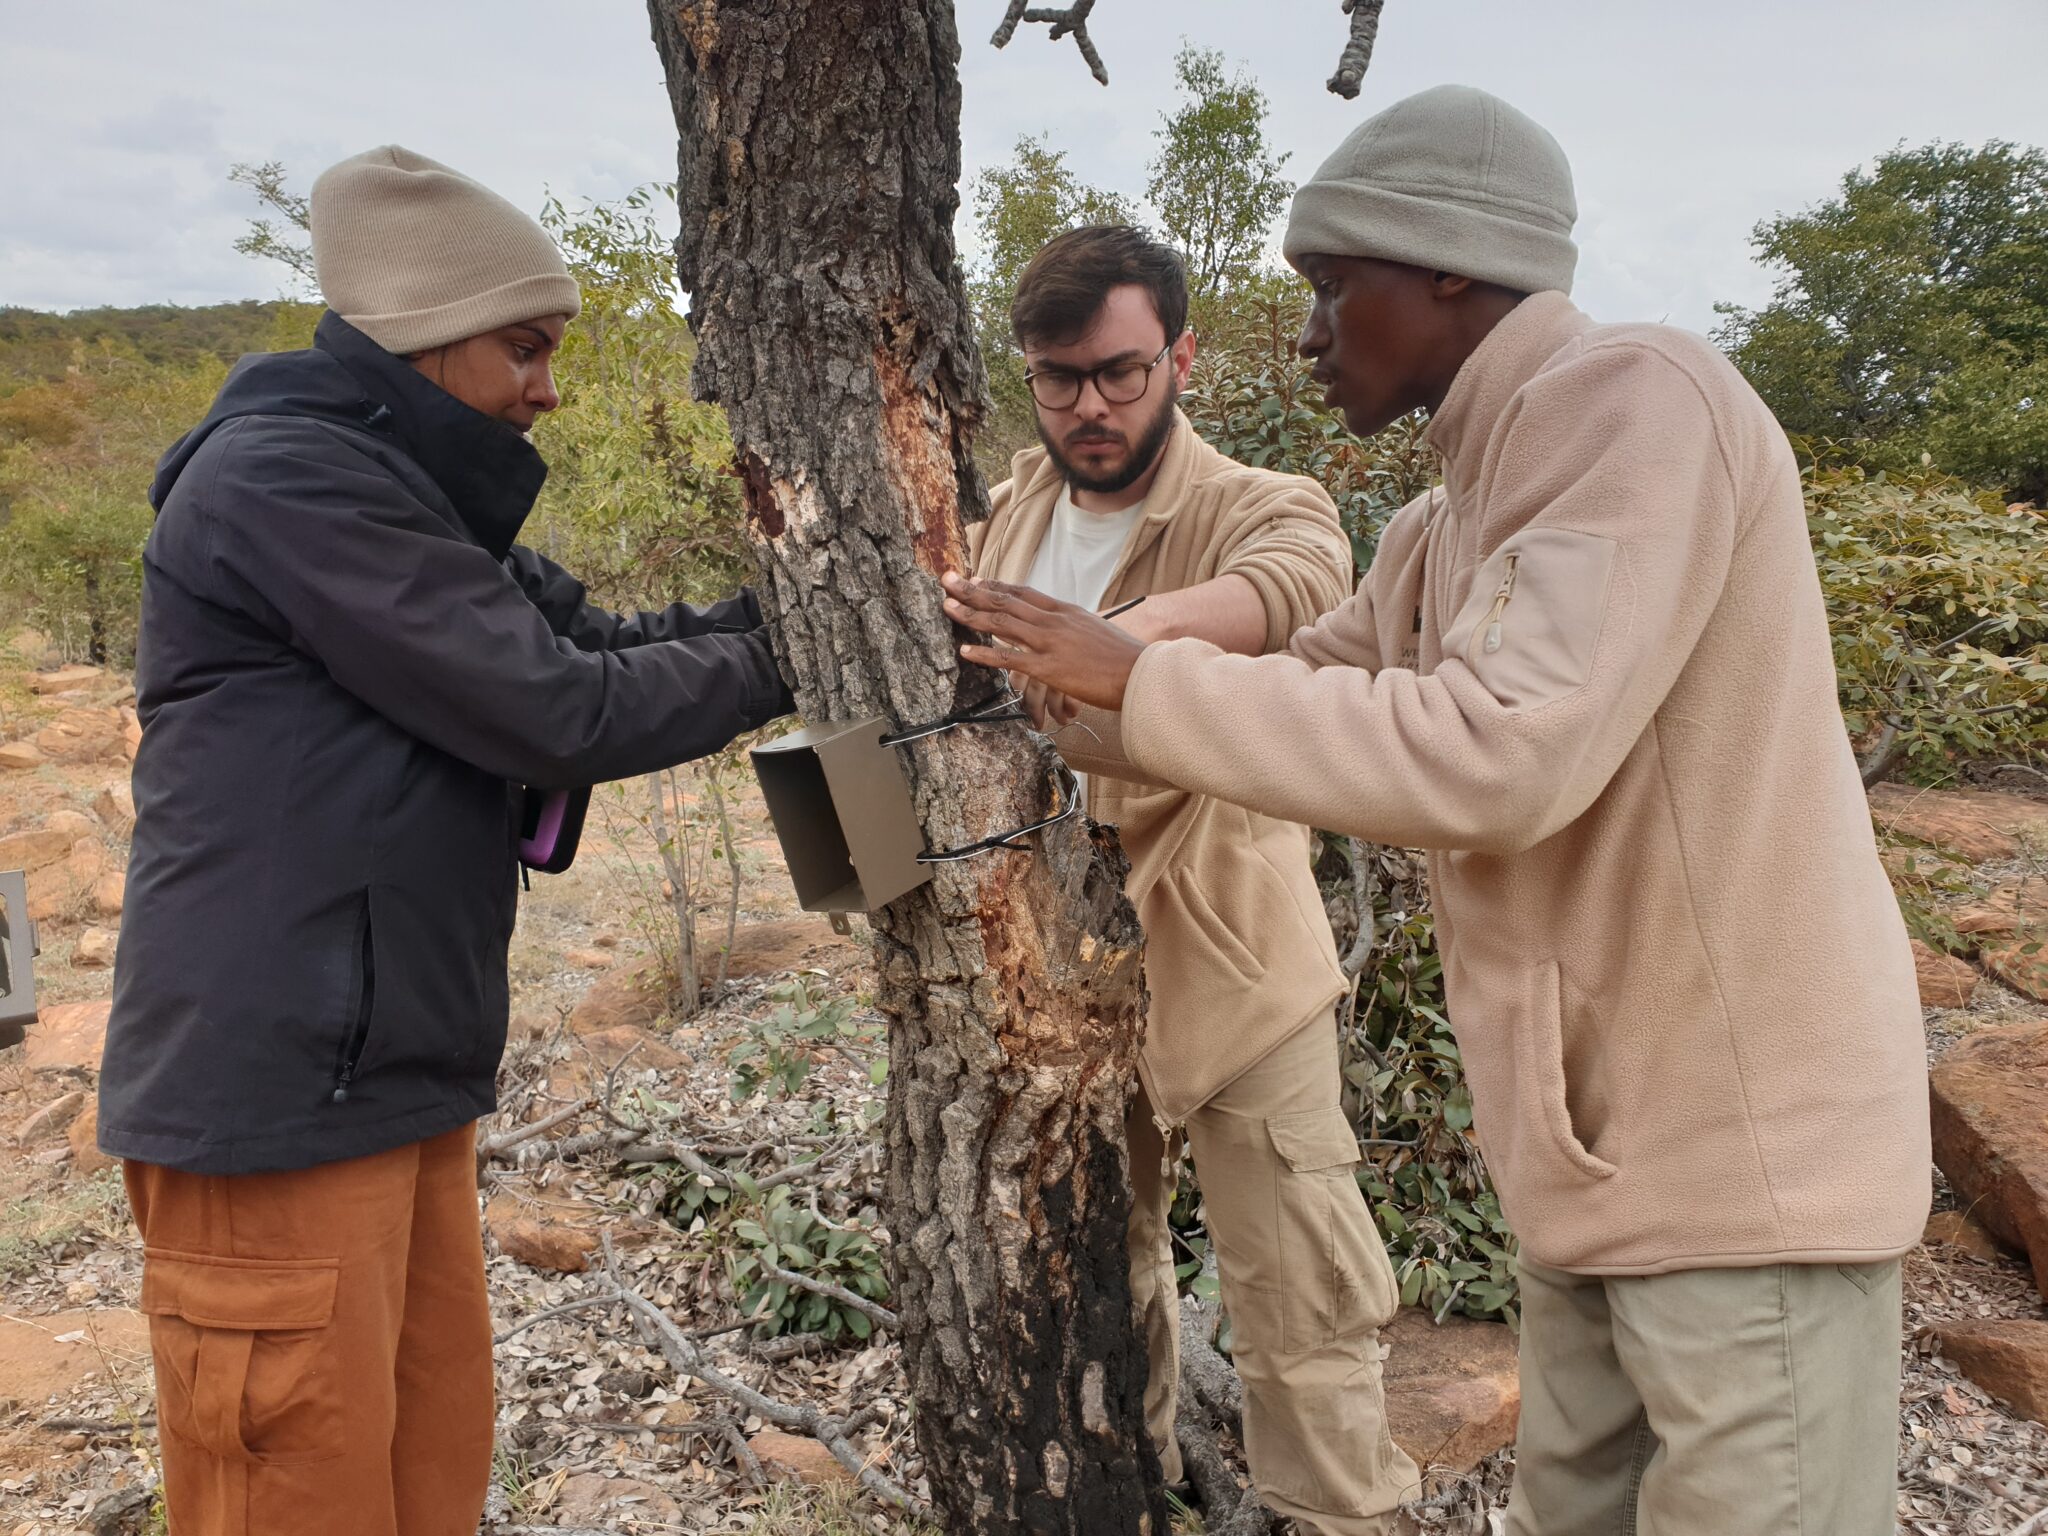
x: 1512, y: 354
x: 1039, y: 480
x: 489, y: 472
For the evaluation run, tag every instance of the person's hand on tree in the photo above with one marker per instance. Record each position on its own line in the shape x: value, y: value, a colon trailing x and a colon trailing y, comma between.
x: 1066, y: 656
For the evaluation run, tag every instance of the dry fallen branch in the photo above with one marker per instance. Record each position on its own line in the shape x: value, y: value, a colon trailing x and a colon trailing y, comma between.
x: 1365, y: 30
x: 1074, y: 19
x: 686, y: 1359
x: 1211, y: 1395
x: 497, y: 1146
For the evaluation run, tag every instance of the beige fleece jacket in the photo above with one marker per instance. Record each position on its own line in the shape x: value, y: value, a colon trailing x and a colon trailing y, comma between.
x: 1592, y: 674
x: 1238, y: 954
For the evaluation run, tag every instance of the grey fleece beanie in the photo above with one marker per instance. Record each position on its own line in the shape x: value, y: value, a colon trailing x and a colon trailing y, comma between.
x: 1451, y: 179
x: 415, y: 255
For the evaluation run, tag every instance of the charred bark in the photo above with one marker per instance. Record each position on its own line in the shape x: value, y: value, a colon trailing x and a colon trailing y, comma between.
x: 817, y: 182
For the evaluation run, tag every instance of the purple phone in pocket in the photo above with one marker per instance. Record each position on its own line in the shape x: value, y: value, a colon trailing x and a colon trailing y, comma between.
x: 550, y: 826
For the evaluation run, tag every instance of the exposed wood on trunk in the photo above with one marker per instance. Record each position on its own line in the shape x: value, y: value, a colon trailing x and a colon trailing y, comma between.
x: 817, y: 183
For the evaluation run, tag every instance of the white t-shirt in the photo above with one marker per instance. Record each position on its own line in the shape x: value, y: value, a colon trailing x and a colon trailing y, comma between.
x: 1078, y: 556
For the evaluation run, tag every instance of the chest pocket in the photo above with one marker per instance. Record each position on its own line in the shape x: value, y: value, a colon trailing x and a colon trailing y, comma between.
x: 1531, y: 622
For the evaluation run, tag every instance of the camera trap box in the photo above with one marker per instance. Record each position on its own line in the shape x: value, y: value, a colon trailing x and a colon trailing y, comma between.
x: 17, y: 959
x: 841, y: 808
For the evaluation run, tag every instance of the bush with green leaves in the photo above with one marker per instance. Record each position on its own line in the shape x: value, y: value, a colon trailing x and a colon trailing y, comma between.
x: 1938, y: 608
x: 781, y: 1047
x: 783, y: 1234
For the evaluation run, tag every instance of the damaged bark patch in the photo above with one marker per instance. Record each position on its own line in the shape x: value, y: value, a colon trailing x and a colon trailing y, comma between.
x: 917, y: 431
x: 759, y: 487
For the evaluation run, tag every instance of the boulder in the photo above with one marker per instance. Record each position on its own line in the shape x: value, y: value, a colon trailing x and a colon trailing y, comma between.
x: 115, y: 805
x: 635, y: 996
x: 51, y: 1121
x: 84, y: 1136
x: 82, y: 736
x: 64, y: 679
x: 21, y: 754
x: 2021, y: 965
x: 777, y: 945
x: 94, y: 950
x: 1978, y: 824
x: 593, y: 1500
x: 537, y: 1242
x: 69, y: 1037
x: 109, y: 893
x: 2014, y: 907
x: 797, y: 1456
x: 36, y: 849
x: 62, y: 890
x: 1946, y: 981
x: 1961, y: 1231
x: 1454, y: 1390
x: 1989, y: 1107
x: 2007, y: 1357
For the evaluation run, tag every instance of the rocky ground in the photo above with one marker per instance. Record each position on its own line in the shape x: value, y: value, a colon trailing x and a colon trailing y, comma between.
x: 621, y: 1121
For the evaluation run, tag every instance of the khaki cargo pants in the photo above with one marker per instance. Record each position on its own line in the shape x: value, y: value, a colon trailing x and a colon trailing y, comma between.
x: 1710, y: 1402
x: 323, y: 1344
x: 1304, y: 1278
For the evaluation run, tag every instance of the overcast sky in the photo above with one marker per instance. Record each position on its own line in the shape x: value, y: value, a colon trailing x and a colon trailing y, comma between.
x: 1685, y: 123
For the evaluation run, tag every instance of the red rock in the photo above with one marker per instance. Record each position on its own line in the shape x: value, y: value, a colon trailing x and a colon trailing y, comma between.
x: 777, y: 945
x: 84, y: 1136
x: 1989, y: 1107
x: 797, y: 1456
x: 2006, y: 1357
x: 37, y: 849
x: 1979, y: 824
x: 51, y: 1120
x: 609, y: 1046
x: 593, y: 1500
x: 540, y: 1244
x: 82, y: 735
x: 1454, y: 1390
x: 94, y: 950
x: 61, y: 891
x: 1946, y: 981
x: 68, y: 1037
x: 2021, y: 965
x: 1962, y: 1231
x: 2011, y: 908
x: 110, y: 893
x: 21, y: 754
x: 64, y: 679
x: 43, y: 1358
x: 115, y: 805
x: 589, y: 959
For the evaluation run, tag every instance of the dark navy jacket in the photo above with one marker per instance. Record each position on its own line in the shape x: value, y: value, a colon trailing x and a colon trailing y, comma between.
x: 345, y: 668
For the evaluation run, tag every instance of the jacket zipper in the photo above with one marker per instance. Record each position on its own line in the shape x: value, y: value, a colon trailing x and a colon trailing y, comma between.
x: 1500, y: 604
x: 359, y: 1037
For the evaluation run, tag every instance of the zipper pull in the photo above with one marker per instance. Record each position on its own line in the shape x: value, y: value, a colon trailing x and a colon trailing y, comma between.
x: 341, y: 1085
x: 1500, y: 604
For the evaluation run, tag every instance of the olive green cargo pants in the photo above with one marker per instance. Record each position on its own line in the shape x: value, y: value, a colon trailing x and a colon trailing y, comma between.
x: 1709, y: 1402
x: 1304, y: 1279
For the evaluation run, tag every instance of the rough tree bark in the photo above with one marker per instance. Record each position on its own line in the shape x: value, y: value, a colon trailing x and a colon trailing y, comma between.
x: 817, y: 183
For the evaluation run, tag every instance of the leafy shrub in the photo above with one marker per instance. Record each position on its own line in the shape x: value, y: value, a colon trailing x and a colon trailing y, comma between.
x: 1938, y: 607
x: 781, y: 1048
x: 790, y: 1236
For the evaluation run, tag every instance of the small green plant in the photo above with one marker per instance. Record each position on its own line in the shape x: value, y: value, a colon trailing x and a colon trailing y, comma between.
x: 786, y: 1235
x: 782, y: 1047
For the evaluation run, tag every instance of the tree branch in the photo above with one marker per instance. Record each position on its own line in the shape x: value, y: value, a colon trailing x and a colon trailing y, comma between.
x: 1365, y: 30
x: 686, y: 1359
x: 1074, y: 19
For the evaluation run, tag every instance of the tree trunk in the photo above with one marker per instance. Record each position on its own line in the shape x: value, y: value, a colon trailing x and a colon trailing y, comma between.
x: 817, y: 183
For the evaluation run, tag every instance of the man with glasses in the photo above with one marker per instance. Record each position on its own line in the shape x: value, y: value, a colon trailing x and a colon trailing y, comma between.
x: 1124, y: 501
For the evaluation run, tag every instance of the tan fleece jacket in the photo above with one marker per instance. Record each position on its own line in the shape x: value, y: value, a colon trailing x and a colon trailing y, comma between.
x: 1238, y: 953
x: 1592, y: 674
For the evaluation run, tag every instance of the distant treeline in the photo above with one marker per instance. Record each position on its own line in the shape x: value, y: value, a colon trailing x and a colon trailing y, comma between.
x: 36, y: 347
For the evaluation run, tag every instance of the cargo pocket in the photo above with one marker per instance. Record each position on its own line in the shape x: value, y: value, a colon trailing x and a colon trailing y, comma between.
x: 243, y: 1355
x: 1343, y: 1285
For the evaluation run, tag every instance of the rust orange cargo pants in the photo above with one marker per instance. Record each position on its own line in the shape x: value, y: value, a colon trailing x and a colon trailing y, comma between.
x: 322, y: 1343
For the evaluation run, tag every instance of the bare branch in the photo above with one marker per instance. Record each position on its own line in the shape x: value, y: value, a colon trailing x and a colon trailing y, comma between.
x: 498, y: 1146
x: 875, y: 1313
x: 686, y: 1359
x: 1365, y: 30
x: 1074, y: 19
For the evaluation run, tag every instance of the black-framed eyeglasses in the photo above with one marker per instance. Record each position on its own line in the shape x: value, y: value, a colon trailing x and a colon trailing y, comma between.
x: 1119, y: 383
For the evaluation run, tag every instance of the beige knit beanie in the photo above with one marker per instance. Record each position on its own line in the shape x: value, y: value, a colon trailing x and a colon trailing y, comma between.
x: 1451, y: 179
x: 415, y: 255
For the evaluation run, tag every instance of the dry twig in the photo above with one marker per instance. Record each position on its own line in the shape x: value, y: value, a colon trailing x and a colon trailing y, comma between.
x: 875, y: 1313
x: 1357, y: 55
x: 1074, y: 19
